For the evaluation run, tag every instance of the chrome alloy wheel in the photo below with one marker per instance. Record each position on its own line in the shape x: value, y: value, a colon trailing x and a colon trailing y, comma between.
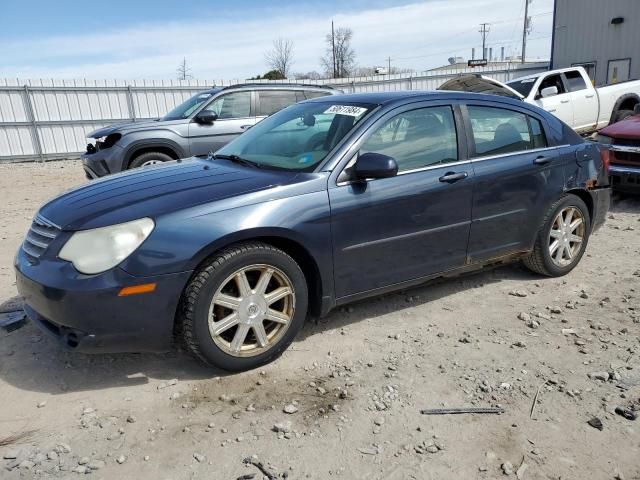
x: 566, y: 236
x: 252, y: 310
x: 151, y: 162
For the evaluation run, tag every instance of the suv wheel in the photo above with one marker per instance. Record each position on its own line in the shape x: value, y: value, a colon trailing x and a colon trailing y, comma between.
x: 562, y: 238
x: 244, y: 307
x: 149, y: 158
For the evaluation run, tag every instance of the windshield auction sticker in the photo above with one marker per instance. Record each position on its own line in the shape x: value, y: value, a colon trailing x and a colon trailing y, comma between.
x: 349, y: 110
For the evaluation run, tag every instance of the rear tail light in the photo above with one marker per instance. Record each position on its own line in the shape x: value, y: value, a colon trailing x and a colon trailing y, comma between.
x: 605, y: 156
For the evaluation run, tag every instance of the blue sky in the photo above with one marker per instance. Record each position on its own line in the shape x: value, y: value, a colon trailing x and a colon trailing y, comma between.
x: 224, y: 40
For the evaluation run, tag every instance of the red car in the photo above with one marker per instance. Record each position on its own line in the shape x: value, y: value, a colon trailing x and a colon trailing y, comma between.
x: 623, y: 142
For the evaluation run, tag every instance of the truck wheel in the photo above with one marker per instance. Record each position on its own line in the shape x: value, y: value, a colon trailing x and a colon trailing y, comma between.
x: 149, y: 158
x: 244, y: 307
x: 562, y: 238
x: 621, y: 115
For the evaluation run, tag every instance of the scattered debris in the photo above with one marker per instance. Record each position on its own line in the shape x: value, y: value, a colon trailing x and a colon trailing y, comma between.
x: 260, y: 466
x: 455, y: 411
x: 626, y: 413
x: 595, y: 422
x: 12, y: 321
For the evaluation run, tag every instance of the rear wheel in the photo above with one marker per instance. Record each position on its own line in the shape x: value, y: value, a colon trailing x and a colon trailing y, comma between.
x: 244, y: 307
x: 562, y: 238
x: 149, y: 158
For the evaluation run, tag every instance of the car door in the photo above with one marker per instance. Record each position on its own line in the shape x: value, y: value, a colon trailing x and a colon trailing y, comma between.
x: 235, y: 115
x: 559, y: 105
x: 517, y: 176
x: 391, y: 230
x: 584, y: 101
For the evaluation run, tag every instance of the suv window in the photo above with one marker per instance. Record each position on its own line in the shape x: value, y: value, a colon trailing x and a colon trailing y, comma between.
x: 315, y: 94
x: 497, y: 131
x: 269, y: 102
x: 575, y: 81
x: 417, y: 138
x: 551, y: 81
x: 231, y: 105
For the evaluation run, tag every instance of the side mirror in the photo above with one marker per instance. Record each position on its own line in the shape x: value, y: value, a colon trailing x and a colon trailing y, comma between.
x: 375, y: 165
x: 636, y: 109
x: 206, y: 117
x: 549, y: 92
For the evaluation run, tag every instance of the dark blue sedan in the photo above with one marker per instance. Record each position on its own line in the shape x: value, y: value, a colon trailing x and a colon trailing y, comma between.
x: 328, y: 201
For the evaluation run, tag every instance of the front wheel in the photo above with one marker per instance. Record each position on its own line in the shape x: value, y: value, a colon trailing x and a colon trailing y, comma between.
x: 562, y: 238
x: 149, y: 158
x: 244, y: 307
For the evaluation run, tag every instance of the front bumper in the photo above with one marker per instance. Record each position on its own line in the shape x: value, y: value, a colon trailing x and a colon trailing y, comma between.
x: 103, y: 162
x: 625, y: 178
x: 84, y: 313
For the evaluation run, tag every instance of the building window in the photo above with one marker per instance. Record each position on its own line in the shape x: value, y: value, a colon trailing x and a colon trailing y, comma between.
x: 618, y: 70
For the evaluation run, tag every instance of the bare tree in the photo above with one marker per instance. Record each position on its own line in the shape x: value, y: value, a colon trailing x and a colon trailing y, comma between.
x: 184, y: 72
x: 280, y: 57
x: 340, y: 58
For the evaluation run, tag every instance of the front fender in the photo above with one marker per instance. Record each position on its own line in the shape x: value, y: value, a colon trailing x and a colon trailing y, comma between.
x: 182, y: 240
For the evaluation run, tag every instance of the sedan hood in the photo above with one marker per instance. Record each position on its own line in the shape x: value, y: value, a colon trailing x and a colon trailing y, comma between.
x: 628, y: 129
x: 480, y: 84
x: 128, y: 127
x: 149, y: 192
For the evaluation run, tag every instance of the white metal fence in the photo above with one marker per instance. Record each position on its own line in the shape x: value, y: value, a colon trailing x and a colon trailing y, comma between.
x: 49, y: 119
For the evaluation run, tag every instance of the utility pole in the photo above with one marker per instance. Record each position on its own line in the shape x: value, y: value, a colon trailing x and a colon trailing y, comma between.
x: 333, y: 48
x: 525, y: 29
x: 484, y: 29
x: 389, y: 66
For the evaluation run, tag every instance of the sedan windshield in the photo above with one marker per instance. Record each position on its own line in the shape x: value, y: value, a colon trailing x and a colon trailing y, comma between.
x: 523, y: 87
x: 185, y: 109
x: 297, y: 138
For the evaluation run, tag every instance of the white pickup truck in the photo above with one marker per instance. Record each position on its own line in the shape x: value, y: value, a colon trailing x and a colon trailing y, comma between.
x: 567, y: 93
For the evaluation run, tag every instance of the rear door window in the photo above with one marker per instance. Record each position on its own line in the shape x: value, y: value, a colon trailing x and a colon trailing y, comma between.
x: 497, y: 131
x: 315, y: 94
x: 575, y: 82
x: 270, y: 102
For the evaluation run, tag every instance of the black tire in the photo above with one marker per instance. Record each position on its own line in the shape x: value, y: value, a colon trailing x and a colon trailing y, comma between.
x: 197, y: 298
x: 540, y: 261
x: 140, y: 160
x: 621, y: 115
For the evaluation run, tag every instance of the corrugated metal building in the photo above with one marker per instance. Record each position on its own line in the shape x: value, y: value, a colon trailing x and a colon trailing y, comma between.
x: 601, y: 35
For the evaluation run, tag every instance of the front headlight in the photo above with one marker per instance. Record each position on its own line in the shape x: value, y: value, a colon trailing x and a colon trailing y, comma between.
x: 98, y: 250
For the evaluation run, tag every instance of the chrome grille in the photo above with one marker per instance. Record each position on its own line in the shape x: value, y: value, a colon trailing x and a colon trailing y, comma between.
x: 39, y: 237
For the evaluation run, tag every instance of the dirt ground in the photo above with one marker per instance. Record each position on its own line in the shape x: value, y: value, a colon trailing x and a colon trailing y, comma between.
x: 358, y: 380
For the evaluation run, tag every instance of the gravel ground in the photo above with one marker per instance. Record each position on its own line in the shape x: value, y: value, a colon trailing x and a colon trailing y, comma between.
x: 554, y: 353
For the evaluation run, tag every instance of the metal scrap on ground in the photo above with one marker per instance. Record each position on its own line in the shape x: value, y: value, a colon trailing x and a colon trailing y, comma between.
x: 455, y: 411
x: 11, y: 321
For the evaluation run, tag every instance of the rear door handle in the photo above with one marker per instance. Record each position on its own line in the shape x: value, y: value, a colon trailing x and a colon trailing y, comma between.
x: 452, y: 177
x: 542, y: 160
x: 245, y: 127
x: 589, y: 96
x: 564, y: 101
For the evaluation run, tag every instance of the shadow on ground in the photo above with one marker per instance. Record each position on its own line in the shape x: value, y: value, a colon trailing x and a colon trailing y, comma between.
x: 31, y: 360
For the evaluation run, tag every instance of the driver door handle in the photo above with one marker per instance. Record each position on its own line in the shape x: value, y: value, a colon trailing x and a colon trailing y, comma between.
x: 452, y: 177
x: 245, y: 127
x: 564, y: 101
x: 542, y: 160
